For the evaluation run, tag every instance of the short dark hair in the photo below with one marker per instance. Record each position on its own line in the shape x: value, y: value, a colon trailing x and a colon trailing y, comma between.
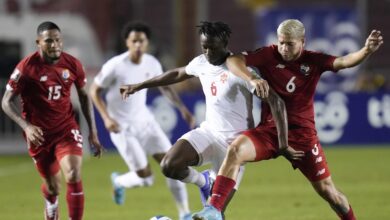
x: 136, y: 26
x: 215, y: 29
x: 47, y: 25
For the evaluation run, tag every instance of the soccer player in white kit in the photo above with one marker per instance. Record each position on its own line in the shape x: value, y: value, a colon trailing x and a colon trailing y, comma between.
x: 228, y: 110
x: 133, y: 129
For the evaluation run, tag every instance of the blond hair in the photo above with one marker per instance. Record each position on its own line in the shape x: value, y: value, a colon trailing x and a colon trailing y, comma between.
x: 291, y: 27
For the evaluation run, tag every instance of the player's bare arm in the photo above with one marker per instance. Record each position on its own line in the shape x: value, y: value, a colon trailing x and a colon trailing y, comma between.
x: 279, y: 113
x: 95, y: 92
x: 86, y: 107
x: 167, y: 78
x: 172, y: 95
x: 373, y: 42
x: 236, y: 64
x: 33, y: 133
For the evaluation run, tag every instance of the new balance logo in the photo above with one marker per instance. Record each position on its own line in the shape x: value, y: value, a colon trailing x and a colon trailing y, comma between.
x: 43, y: 78
x: 322, y: 171
x: 318, y: 159
x: 280, y: 66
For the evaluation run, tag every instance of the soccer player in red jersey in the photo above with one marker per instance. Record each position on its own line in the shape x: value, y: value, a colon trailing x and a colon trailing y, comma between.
x: 43, y: 81
x: 293, y: 73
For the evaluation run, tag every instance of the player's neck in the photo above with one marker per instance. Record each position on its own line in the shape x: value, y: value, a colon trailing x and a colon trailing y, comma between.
x: 135, y: 58
x: 47, y: 59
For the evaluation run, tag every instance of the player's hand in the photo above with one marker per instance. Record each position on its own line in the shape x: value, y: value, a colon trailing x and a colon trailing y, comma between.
x: 291, y: 154
x: 111, y: 125
x: 188, y: 117
x: 127, y: 90
x: 97, y: 148
x: 261, y: 86
x: 34, y: 135
x: 374, y: 41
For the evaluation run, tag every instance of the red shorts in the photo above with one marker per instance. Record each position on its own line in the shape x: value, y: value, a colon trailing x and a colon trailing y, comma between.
x: 313, y: 165
x: 54, y: 148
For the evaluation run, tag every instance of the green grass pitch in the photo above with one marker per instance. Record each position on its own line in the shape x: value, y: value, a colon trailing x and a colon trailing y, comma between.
x: 271, y: 190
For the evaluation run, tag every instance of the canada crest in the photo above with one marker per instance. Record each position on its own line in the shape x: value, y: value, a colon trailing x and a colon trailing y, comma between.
x: 65, y: 74
x: 224, y: 77
x: 305, y: 69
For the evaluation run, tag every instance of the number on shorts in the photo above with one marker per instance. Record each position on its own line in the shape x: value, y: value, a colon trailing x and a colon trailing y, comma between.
x: 77, y: 135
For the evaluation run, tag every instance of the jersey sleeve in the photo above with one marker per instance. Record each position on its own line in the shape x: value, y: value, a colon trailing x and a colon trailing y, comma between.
x: 254, y: 58
x: 106, y: 77
x: 191, y: 68
x: 157, y: 68
x: 16, y: 81
x: 81, y: 79
x: 325, y: 61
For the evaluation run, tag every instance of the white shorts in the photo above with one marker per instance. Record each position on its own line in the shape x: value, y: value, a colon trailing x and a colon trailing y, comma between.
x: 211, y: 147
x: 138, y: 140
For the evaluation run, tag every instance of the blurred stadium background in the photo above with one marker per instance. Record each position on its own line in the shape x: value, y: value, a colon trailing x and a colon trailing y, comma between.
x: 352, y: 108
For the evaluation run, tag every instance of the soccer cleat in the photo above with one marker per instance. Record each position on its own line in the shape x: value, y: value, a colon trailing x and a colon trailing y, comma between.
x: 208, y: 213
x: 51, y: 210
x: 119, y: 191
x: 205, y: 191
x: 186, y: 217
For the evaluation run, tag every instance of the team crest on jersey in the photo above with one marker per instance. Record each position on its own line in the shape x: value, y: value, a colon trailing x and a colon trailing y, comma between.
x: 305, y: 69
x: 15, y: 75
x: 224, y: 77
x: 65, y: 74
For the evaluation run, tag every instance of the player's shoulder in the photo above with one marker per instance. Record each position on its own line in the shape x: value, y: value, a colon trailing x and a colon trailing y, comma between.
x: 30, y: 59
x: 117, y: 58
x: 149, y: 58
x: 200, y: 60
x: 69, y: 58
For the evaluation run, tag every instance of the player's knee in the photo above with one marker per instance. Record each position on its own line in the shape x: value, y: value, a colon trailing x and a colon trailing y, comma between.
x: 327, y: 191
x: 54, y: 188
x: 72, y: 175
x: 169, y: 167
x: 233, y: 154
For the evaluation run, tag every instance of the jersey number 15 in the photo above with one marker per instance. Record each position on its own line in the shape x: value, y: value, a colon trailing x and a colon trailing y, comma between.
x: 54, y: 92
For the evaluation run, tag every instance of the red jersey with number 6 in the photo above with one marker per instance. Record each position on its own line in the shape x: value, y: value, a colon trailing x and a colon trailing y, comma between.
x: 45, y: 91
x: 294, y: 81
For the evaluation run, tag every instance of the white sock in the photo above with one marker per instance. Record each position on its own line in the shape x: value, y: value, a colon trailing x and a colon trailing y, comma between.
x: 195, y: 177
x: 129, y: 180
x: 148, y: 181
x: 179, y: 192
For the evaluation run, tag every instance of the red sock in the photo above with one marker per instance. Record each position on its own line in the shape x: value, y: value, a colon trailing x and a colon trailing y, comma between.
x: 348, y: 216
x: 221, y: 190
x: 51, y: 198
x: 75, y: 200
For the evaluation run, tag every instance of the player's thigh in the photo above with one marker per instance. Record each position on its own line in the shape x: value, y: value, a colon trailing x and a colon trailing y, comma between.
x: 313, y: 165
x: 46, y: 164
x: 264, y: 141
x: 130, y: 149
x: 204, y: 144
x: 154, y: 140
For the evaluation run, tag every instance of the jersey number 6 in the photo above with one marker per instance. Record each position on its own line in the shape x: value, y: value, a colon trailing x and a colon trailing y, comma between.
x: 213, y: 89
x: 290, y: 87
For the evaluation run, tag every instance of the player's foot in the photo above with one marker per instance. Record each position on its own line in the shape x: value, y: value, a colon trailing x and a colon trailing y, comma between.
x: 119, y: 191
x: 208, y: 213
x: 186, y: 217
x: 51, y: 210
x: 205, y: 191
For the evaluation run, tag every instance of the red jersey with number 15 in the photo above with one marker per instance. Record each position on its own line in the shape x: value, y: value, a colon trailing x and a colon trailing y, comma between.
x: 45, y: 90
x: 294, y: 81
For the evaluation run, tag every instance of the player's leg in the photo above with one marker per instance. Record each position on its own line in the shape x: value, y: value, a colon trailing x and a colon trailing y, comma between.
x: 337, y: 200
x: 248, y: 147
x: 49, y: 170
x: 71, y: 168
x: 136, y: 160
x: 179, y: 192
x: 315, y: 168
x: 69, y: 153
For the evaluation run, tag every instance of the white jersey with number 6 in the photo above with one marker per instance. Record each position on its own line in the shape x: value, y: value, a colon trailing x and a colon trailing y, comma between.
x: 228, y: 98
